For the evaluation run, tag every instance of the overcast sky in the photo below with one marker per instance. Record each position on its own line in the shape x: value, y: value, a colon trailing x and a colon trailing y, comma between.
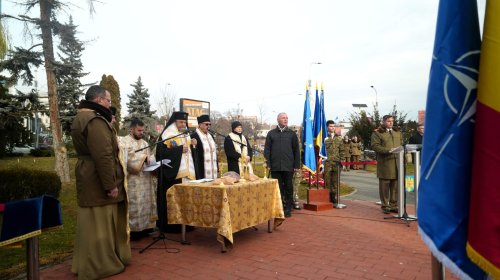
x: 245, y: 53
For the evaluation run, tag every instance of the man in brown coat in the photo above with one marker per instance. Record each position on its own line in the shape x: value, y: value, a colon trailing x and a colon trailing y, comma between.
x: 102, y: 247
x: 383, y: 141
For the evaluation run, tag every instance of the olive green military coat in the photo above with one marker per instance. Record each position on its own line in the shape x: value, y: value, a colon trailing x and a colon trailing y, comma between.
x: 382, y: 141
x: 98, y: 169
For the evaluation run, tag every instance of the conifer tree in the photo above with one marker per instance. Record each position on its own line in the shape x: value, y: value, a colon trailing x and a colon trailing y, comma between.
x: 69, y: 71
x: 139, y: 107
x: 109, y: 83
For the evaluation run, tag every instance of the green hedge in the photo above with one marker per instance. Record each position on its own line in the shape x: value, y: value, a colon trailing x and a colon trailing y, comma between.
x: 22, y: 183
x: 42, y: 152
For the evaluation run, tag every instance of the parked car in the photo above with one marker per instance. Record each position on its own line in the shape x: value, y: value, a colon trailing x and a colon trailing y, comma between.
x: 22, y: 149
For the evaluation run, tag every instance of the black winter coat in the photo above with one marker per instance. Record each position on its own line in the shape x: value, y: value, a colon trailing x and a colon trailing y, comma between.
x: 282, y: 150
x: 232, y: 156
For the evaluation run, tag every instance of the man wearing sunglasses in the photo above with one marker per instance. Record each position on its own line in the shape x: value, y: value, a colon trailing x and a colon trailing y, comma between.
x: 206, y: 150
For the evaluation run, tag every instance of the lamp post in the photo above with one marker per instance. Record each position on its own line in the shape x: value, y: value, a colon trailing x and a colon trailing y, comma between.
x: 310, y: 66
x: 376, y: 96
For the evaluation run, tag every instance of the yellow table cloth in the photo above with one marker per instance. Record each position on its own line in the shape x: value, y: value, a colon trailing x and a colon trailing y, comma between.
x: 229, y: 208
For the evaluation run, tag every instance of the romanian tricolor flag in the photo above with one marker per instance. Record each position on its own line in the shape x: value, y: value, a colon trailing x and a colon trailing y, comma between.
x: 322, y: 151
x: 319, y: 126
x: 309, y: 157
x: 483, y: 245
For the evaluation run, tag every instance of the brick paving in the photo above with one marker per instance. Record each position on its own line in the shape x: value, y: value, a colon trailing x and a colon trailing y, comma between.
x: 351, y: 243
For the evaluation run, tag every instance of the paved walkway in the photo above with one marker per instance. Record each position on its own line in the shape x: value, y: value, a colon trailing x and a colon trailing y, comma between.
x: 351, y: 243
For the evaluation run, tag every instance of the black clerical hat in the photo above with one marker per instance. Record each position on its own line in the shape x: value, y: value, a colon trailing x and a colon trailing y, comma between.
x: 178, y: 115
x: 203, y: 118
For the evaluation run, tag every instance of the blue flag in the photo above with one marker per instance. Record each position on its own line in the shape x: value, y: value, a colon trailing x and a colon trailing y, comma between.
x: 309, y: 158
x: 443, y: 203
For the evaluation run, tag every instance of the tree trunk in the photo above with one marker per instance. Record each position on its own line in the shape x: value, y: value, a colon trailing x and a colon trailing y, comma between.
x: 61, y: 155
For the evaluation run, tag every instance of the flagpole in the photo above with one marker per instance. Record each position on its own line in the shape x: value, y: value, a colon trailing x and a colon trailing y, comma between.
x: 438, y: 272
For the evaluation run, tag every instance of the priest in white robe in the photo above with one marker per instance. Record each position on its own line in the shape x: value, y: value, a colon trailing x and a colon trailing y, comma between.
x: 141, y: 184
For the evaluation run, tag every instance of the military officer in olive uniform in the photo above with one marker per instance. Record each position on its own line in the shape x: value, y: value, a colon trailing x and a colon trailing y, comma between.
x: 383, y: 141
x: 335, y: 153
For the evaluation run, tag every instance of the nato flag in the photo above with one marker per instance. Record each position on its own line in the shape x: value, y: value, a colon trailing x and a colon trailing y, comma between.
x: 448, y: 141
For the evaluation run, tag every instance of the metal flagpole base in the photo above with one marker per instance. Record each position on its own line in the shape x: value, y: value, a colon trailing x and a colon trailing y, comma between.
x: 340, y: 206
x: 296, y: 205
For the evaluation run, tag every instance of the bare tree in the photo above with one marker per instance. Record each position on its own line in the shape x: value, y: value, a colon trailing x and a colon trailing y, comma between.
x: 261, y: 106
x: 167, y: 101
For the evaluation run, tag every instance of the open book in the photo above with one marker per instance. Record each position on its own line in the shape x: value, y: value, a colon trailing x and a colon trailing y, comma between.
x: 154, y: 166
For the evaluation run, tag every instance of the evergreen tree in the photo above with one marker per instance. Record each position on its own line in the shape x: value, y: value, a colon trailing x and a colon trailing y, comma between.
x: 14, y: 110
x: 69, y: 71
x: 139, y: 107
x: 109, y: 83
x: 363, y: 125
x: 48, y: 25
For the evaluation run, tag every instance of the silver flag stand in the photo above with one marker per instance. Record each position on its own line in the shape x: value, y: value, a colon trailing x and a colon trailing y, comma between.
x: 338, y: 205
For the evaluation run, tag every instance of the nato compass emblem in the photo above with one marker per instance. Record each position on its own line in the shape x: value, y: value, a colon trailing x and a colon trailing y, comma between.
x: 460, y: 78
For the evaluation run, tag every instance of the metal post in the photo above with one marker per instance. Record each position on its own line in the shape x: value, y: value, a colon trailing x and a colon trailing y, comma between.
x: 417, y: 178
x: 401, y: 185
x: 338, y: 205
x: 296, y: 183
x: 438, y: 272
x: 33, y: 266
x: 36, y: 129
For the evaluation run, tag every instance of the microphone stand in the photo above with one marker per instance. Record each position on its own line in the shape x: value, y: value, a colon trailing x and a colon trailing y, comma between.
x: 163, y: 140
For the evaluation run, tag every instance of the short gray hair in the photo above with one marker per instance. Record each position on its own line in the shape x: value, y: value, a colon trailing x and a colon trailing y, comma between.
x: 282, y: 113
x: 95, y: 91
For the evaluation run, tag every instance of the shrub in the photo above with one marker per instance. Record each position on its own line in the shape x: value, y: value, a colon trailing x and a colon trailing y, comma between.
x: 22, y: 183
x: 42, y: 152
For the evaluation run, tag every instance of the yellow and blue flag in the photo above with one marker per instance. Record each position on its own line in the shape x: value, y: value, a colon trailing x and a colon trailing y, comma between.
x: 444, y: 189
x: 309, y: 158
x: 322, y: 151
x: 319, y: 126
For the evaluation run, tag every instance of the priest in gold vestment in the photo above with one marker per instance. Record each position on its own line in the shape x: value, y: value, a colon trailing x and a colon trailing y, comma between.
x: 141, y: 184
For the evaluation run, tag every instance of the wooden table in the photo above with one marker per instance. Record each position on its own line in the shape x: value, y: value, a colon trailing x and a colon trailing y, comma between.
x: 228, y: 208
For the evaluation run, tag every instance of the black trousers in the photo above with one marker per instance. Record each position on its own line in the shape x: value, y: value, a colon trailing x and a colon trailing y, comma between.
x: 285, y: 180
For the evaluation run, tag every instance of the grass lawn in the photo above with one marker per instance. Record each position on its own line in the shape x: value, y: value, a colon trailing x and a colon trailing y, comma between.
x: 56, y: 246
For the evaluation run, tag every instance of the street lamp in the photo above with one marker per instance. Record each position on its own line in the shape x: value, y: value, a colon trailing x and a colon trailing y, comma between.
x: 376, y: 97
x: 310, y: 66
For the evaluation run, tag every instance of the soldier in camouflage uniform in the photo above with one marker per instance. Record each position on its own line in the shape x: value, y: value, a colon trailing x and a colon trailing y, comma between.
x: 335, y: 153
